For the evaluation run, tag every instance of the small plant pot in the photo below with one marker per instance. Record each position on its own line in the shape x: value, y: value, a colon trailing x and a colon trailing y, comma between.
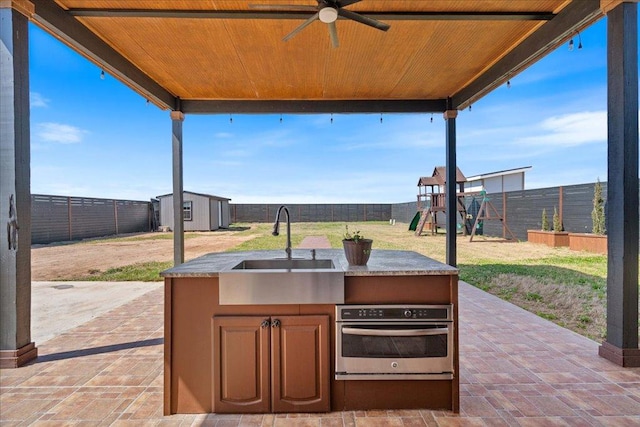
x: 357, y: 253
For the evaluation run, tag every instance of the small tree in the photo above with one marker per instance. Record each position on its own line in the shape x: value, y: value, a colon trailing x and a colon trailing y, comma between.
x: 545, y: 220
x: 557, y: 224
x: 597, y: 214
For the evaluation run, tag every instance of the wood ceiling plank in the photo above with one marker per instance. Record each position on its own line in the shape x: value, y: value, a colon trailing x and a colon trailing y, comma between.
x: 285, y: 70
x: 246, y: 59
x: 190, y: 59
x: 458, y: 50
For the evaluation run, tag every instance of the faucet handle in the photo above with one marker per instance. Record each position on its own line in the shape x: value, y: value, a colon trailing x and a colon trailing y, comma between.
x: 313, y: 254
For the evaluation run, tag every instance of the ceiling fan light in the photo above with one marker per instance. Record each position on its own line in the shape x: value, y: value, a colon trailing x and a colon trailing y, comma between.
x: 328, y: 14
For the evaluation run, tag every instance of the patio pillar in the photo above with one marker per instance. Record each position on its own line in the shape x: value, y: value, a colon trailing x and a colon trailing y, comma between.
x: 621, y: 345
x: 451, y: 190
x: 177, y: 117
x: 16, y: 347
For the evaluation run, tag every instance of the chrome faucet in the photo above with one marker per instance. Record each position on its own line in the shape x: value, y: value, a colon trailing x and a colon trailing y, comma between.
x: 276, y: 227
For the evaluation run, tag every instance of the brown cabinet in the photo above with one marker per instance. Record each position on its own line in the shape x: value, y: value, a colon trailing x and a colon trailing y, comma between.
x: 271, y: 364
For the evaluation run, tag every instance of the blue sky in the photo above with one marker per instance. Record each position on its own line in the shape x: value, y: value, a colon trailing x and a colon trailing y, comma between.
x: 98, y: 138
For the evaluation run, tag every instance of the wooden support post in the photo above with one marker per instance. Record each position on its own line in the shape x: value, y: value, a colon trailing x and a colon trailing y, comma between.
x: 561, y: 205
x: 621, y: 345
x: 16, y: 347
x: 504, y: 212
x: 69, y: 218
x: 177, y: 117
x: 451, y: 201
x: 115, y: 215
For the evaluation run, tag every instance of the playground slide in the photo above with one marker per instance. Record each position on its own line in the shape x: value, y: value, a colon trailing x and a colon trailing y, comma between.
x: 414, y: 222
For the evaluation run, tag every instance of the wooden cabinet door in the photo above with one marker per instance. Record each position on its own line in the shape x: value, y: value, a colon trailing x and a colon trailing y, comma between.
x: 241, y: 372
x: 300, y: 364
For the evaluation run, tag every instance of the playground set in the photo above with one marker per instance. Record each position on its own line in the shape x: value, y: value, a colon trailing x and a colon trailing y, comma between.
x: 474, y: 208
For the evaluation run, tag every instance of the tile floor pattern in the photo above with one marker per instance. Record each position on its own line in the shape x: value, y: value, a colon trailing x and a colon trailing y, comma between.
x: 516, y: 370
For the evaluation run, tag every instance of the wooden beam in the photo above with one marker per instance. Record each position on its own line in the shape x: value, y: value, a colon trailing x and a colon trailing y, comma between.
x: 283, y: 14
x: 577, y: 15
x: 313, y: 106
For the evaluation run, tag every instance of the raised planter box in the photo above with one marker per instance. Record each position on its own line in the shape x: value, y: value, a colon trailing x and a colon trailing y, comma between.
x: 549, y: 238
x: 596, y: 243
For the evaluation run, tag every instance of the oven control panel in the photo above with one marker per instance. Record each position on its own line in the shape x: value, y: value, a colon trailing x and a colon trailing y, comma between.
x: 376, y: 312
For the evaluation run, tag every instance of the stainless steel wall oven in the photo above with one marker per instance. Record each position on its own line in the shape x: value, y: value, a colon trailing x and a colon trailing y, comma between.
x: 394, y: 342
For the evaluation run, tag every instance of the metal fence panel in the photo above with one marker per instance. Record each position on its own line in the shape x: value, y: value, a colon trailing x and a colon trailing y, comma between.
x: 313, y: 212
x: 58, y: 218
x: 49, y: 219
x: 524, y: 209
x: 133, y: 216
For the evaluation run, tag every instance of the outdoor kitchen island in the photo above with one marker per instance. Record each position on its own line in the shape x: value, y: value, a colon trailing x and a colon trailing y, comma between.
x: 231, y: 357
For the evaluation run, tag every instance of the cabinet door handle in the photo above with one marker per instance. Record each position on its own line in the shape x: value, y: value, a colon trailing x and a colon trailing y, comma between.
x: 265, y: 323
x: 275, y: 323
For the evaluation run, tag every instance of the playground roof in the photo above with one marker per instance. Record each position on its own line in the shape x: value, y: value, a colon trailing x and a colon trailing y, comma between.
x: 439, y: 177
x: 228, y: 56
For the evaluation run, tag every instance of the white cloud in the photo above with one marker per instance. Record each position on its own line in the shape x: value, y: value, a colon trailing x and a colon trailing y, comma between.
x: 61, y: 133
x: 37, y: 100
x: 570, y: 130
x: 222, y: 135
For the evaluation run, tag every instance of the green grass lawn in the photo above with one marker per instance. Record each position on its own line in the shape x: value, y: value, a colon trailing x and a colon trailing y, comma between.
x: 568, y: 288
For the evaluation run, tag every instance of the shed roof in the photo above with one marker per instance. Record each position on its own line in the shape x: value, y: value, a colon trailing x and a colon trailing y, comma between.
x: 499, y: 173
x: 210, y: 196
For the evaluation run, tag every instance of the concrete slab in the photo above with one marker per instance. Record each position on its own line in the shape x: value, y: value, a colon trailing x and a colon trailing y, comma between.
x: 59, y: 306
x: 315, y: 242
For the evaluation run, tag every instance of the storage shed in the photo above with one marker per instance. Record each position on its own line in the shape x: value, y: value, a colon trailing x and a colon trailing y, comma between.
x: 201, y: 212
x: 497, y: 182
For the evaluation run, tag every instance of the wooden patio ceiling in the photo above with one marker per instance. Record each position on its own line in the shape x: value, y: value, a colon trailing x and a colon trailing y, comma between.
x: 227, y: 56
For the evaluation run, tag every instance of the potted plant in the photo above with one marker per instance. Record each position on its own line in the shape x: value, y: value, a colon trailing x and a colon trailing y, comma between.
x: 596, y: 241
x: 554, y: 238
x: 356, y: 248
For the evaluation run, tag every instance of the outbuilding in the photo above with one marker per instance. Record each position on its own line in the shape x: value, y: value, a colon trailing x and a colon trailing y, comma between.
x: 497, y: 182
x: 201, y: 212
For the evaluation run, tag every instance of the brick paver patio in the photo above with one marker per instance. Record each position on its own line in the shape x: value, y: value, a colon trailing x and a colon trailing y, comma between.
x: 516, y: 370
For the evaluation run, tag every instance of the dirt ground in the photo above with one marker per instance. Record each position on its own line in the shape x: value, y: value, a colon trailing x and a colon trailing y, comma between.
x: 76, y: 259
x: 57, y: 261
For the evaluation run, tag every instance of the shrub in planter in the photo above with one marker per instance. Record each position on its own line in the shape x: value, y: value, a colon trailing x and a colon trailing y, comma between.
x: 596, y: 241
x: 597, y: 214
x: 554, y: 238
x: 545, y: 220
x: 557, y: 224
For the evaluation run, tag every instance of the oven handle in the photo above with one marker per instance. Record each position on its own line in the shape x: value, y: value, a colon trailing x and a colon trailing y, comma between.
x: 394, y: 333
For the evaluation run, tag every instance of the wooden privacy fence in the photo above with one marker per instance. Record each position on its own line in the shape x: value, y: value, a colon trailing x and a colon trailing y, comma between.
x: 312, y: 212
x: 523, y: 209
x: 61, y: 218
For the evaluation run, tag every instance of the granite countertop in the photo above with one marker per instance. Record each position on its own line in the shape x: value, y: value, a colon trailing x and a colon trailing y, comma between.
x: 381, y: 263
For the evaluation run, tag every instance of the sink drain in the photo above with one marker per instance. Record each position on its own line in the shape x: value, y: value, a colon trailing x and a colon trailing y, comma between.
x: 62, y: 287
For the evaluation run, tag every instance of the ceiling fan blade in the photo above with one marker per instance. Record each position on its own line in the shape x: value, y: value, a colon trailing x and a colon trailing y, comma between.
x: 363, y: 19
x: 344, y: 3
x: 333, y: 34
x: 301, y: 26
x: 284, y: 7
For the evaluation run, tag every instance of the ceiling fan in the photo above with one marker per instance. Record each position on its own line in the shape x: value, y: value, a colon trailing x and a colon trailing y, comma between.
x: 326, y: 11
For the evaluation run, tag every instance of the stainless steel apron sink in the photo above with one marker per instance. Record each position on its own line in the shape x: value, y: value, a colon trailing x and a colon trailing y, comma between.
x: 282, y: 281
